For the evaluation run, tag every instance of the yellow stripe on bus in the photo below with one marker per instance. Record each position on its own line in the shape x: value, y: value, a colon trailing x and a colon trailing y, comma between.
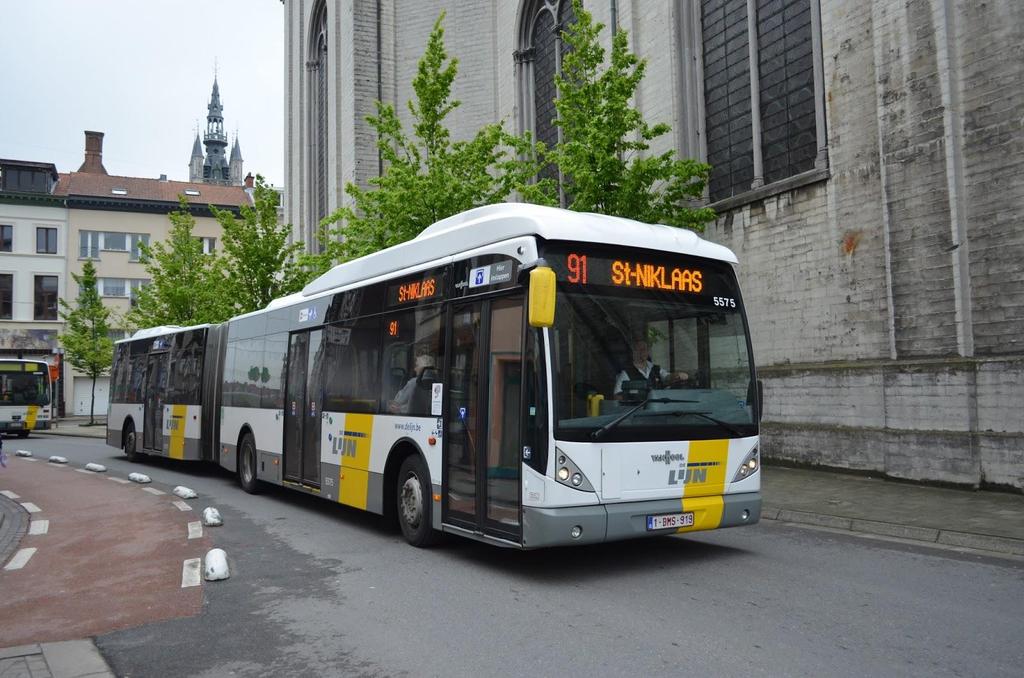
x: 178, y: 418
x: 30, y: 419
x: 354, y: 480
x: 707, y: 506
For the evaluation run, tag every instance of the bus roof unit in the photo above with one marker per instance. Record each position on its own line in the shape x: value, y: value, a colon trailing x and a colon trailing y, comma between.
x: 496, y: 223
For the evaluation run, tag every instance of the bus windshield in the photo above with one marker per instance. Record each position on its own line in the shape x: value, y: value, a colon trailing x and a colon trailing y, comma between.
x: 649, y: 347
x: 24, y: 388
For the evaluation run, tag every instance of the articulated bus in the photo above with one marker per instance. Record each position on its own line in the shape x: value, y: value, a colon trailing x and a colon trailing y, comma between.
x: 520, y: 375
x: 24, y: 396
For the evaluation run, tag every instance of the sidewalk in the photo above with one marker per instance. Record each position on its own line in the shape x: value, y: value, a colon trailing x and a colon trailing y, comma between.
x: 72, y: 426
x: 984, y: 520
x: 67, y: 659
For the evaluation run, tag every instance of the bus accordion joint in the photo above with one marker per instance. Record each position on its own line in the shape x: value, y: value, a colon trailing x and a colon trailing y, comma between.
x: 542, y: 296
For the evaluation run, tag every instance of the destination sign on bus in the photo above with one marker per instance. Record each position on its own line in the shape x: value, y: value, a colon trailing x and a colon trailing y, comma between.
x: 414, y: 290
x: 583, y: 269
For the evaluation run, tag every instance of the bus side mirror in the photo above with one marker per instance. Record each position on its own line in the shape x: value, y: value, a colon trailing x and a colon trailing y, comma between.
x: 542, y: 297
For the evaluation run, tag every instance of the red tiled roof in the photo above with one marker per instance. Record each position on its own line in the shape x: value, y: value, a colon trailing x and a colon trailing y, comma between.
x: 87, y: 184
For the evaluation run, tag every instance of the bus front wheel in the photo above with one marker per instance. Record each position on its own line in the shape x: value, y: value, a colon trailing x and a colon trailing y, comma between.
x: 247, y: 464
x: 414, y: 502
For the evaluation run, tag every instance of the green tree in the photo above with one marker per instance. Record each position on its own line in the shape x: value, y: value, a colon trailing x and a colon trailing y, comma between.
x: 603, y: 155
x: 258, y: 263
x: 186, y: 287
x: 428, y: 176
x: 86, y: 339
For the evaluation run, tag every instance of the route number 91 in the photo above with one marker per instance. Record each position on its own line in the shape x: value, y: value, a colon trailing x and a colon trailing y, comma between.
x: 725, y: 301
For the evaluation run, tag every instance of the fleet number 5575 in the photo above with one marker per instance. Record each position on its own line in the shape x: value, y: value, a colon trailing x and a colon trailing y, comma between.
x: 725, y: 301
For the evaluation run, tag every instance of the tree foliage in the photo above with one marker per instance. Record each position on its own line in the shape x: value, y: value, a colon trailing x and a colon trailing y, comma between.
x: 428, y: 176
x: 186, y: 287
x: 86, y: 339
x: 257, y: 262
x: 603, y: 156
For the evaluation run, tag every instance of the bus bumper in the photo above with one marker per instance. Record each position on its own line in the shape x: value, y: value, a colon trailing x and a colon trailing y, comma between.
x: 615, y: 522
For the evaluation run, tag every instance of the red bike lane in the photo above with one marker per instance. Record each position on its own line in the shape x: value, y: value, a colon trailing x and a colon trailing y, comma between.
x: 111, y: 557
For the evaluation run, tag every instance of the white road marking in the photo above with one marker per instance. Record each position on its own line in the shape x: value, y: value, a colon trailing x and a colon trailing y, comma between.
x: 182, y: 506
x: 195, y: 529
x: 152, y: 490
x: 30, y: 507
x: 9, y: 494
x: 82, y: 470
x: 39, y: 527
x: 28, y: 459
x: 119, y: 480
x: 20, y: 559
x: 189, y: 572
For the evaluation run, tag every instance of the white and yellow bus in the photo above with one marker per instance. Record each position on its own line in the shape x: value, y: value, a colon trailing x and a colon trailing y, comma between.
x: 24, y: 396
x: 520, y: 375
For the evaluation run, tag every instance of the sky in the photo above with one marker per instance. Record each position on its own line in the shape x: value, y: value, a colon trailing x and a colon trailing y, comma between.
x: 141, y: 72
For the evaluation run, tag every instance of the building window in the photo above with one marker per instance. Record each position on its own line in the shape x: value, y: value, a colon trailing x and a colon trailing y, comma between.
x: 209, y: 244
x: 46, y: 240
x: 763, y: 105
x: 112, y: 287
x: 318, y: 92
x: 6, y: 296
x: 115, y: 242
x: 89, y: 245
x: 135, y: 241
x: 6, y: 237
x: 133, y: 289
x: 538, y: 59
x: 45, y: 297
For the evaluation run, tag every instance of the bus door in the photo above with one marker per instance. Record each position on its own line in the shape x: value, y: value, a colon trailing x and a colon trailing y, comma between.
x: 156, y: 392
x: 482, y: 419
x: 302, y: 409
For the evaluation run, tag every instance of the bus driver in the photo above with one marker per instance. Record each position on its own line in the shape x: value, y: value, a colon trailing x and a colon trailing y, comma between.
x: 643, y: 368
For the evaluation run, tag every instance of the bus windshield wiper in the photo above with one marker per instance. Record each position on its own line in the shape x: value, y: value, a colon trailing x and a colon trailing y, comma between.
x: 622, y: 417
x: 727, y: 426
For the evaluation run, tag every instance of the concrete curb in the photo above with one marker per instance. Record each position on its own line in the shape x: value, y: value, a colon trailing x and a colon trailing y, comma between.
x: 981, y: 542
x: 64, y: 659
x: 13, y: 527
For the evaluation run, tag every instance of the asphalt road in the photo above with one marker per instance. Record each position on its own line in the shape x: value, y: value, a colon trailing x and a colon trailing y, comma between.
x: 321, y: 590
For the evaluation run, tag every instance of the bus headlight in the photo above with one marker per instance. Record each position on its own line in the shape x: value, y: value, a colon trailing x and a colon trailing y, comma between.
x: 749, y: 466
x: 569, y: 473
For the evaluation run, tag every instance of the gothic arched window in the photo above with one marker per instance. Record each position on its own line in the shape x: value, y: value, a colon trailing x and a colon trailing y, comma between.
x: 538, y: 59
x: 318, y: 118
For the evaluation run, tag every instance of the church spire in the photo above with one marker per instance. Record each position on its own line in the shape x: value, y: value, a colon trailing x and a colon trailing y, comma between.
x: 215, y: 169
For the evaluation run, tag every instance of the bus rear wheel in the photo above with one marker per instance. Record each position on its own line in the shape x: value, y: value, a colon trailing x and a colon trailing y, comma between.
x: 23, y: 434
x: 247, y: 465
x: 414, y: 502
x: 130, y: 442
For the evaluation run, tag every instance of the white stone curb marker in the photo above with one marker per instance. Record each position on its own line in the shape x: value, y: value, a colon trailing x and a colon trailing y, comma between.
x: 211, y: 517
x: 190, y: 572
x: 22, y: 453
x: 139, y: 478
x: 184, y: 492
x: 216, y: 565
x: 57, y: 459
x: 95, y: 468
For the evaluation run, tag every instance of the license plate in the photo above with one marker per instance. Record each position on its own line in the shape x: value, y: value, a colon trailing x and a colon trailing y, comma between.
x: 669, y: 521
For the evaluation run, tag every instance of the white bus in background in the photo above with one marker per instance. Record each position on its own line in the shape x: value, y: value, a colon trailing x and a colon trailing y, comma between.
x: 24, y: 396
x: 520, y: 375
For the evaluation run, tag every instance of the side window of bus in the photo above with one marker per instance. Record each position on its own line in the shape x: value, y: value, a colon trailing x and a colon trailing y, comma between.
x: 137, y: 382
x: 272, y: 374
x: 412, y: 357
x: 352, y: 366
x: 243, y: 373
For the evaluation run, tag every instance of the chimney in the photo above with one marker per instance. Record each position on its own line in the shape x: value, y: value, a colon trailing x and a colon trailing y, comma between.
x: 163, y: 177
x: 93, y: 153
x: 249, y: 180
